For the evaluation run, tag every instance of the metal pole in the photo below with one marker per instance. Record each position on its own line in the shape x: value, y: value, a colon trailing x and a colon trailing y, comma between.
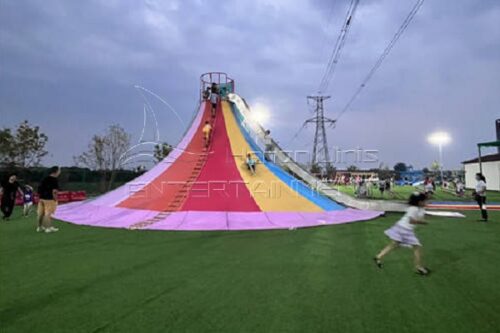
x: 479, y: 159
x: 441, y: 162
x: 320, y: 153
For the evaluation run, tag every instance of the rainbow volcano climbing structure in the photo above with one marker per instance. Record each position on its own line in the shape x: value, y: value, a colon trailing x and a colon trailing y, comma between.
x: 200, y: 188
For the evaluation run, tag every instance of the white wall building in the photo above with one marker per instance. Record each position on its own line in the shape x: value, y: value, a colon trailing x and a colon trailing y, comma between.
x: 491, y: 170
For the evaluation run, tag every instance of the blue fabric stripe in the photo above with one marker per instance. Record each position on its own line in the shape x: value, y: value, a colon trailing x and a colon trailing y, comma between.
x: 294, y: 183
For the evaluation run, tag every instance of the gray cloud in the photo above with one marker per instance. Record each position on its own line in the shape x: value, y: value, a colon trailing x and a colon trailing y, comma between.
x: 70, y: 67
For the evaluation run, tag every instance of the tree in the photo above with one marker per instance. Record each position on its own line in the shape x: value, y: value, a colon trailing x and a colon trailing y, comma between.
x: 315, y: 169
x: 162, y: 150
x: 106, y: 153
x: 331, y: 171
x: 352, y: 168
x: 384, y: 172
x: 435, y: 167
x: 400, y: 167
x: 24, y: 148
x: 7, y: 153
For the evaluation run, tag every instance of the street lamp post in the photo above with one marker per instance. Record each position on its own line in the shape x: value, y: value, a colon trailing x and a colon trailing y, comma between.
x: 440, y: 139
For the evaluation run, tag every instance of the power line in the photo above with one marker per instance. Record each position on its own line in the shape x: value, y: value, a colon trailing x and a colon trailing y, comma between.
x: 339, y: 45
x: 384, y: 54
x: 330, y: 69
x: 335, y: 55
x: 296, y: 135
x: 326, y: 38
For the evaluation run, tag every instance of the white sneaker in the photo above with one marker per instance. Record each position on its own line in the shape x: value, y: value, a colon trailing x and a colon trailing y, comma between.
x: 40, y: 229
x: 51, y: 229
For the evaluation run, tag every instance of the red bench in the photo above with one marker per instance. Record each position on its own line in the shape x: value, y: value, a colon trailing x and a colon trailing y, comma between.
x: 62, y: 197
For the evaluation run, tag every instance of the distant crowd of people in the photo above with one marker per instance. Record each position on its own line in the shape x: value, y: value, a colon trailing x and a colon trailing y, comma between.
x: 364, y: 186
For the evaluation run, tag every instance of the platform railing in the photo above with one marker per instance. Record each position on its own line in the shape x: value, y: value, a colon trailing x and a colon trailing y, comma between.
x: 221, y: 79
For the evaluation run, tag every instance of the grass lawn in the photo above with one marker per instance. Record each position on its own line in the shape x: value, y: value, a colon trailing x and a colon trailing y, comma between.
x: 85, y: 279
x: 403, y: 192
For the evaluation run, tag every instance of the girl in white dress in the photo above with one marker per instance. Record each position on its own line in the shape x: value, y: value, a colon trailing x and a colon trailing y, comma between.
x: 402, y: 233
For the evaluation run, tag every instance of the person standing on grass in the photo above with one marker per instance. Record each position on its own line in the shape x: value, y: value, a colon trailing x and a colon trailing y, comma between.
x: 459, y: 188
x: 48, y: 200
x: 402, y: 233
x: 388, y: 188
x: 381, y: 187
x: 8, y: 191
x: 480, y: 195
x: 429, y: 187
x: 27, y: 200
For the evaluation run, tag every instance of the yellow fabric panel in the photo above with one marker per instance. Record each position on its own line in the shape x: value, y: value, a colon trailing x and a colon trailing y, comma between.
x: 270, y: 192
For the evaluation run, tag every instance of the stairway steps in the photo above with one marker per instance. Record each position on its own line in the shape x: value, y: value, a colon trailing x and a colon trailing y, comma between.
x: 180, y: 196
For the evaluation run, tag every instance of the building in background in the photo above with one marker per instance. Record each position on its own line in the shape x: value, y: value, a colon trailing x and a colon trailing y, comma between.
x: 488, y: 165
x: 491, y: 170
x: 498, y: 133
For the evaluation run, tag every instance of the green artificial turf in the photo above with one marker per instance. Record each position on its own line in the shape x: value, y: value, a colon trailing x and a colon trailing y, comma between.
x: 403, y: 192
x: 85, y: 279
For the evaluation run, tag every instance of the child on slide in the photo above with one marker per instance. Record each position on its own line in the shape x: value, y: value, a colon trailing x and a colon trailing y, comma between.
x: 250, y: 162
x: 402, y: 233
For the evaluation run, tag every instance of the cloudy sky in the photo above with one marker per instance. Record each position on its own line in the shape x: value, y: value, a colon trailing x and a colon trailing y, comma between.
x: 71, y: 66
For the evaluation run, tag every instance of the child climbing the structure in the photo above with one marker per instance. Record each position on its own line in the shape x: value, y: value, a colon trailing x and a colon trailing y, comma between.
x: 207, y: 131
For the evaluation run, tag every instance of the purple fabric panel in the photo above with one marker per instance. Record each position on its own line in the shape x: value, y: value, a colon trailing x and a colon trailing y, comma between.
x: 121, y: 193
x: 351, y: 215
x: 291, y: 220
x: 203, y: 221
x: 173, y: 222
x: 249, y: 221
x: 86, y: 213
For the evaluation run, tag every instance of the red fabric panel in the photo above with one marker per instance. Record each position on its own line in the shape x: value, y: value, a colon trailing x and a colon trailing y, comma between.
x: 161, y: 192
x: 219, y: 186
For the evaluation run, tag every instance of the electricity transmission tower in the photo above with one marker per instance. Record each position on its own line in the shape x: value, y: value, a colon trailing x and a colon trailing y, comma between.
x: 320, y: 155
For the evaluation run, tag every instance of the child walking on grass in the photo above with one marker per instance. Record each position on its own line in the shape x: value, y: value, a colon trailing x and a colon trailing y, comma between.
x: 402, y: 233
x: 27, y: 200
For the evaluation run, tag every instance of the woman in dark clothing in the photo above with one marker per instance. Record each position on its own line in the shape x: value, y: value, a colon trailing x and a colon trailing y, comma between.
x: 480, y: 195
x: 9, y: 189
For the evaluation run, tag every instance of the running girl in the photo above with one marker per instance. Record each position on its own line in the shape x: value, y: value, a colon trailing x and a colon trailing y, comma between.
x: 402, y: 233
